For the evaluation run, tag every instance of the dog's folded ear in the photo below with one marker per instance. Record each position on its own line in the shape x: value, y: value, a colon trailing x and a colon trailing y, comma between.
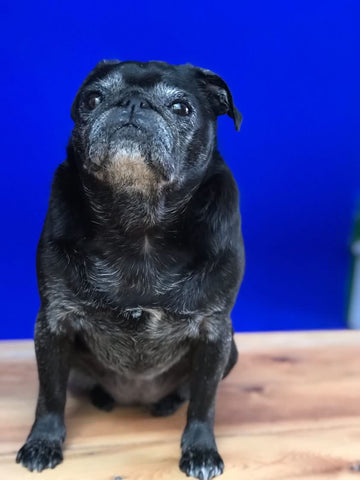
x: 101, y: 67
x: 219, y: 95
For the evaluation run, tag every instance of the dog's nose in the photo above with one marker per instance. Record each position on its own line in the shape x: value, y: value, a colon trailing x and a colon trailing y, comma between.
x: 134, y: 103
x: 133, y: 108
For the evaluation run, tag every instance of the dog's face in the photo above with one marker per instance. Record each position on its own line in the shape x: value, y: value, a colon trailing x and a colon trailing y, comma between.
x: 145, y: 125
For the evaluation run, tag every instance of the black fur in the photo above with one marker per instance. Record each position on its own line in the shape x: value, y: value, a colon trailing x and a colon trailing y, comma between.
x: 140, y: 258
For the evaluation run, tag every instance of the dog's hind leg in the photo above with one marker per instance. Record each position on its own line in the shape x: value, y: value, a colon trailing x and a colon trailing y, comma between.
x: 82, y: 383
x: 170, y: 403
x: 101, y: 399
x: 233, y: 358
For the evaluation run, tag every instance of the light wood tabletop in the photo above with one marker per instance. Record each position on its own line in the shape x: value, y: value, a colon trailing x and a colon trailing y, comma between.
x: 289, y: 410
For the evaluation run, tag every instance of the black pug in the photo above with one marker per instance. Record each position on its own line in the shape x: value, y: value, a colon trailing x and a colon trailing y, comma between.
x: 141, y: 257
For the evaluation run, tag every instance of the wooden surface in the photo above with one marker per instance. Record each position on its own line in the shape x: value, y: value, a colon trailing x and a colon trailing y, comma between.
x: 289, y: 410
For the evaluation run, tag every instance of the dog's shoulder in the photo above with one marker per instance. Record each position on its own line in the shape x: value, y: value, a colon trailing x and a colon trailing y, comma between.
x: 65, y: 226
x: 215, y: 213
x: 67, y: 216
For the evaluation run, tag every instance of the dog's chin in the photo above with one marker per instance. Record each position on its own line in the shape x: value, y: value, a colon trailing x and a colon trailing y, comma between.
x: 127, y: 169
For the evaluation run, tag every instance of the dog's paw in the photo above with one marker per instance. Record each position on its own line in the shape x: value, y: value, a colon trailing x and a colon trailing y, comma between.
x: 38, y: 454
x: 203, y: 464
x: 101, y: 399
x: 166, y: 406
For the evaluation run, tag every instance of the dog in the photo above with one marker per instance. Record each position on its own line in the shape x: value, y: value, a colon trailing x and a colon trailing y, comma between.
x: 140, y: 258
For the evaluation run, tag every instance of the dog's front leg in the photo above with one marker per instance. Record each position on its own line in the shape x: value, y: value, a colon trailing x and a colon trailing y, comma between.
x: 200, y: 458
x: 43, y: 447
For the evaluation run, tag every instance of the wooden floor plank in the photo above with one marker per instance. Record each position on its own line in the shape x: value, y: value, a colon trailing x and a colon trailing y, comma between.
x: 289, y: 410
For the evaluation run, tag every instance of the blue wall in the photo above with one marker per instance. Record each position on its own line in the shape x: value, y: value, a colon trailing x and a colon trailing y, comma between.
x: 293, y: 67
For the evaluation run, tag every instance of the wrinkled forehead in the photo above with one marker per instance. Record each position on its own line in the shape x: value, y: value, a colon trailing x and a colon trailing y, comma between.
x: 156, y: 76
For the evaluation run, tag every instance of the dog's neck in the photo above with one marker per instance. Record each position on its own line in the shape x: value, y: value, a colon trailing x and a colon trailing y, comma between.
x: 131, y: 210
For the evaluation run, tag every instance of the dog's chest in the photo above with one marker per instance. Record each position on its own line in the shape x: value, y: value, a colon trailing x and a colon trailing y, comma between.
x: 136, y: 271
x: 139, y: 341
x: 118, y: 325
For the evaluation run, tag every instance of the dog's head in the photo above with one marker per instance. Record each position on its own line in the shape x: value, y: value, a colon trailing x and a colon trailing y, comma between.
x: 144, y: 125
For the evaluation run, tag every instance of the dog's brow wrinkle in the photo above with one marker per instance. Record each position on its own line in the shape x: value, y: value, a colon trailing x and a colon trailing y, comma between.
x: 110, y: 81
x: 163, y: 89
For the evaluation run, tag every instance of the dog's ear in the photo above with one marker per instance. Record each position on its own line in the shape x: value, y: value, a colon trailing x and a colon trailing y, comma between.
x: 101, y: 67
x: 219, y: 95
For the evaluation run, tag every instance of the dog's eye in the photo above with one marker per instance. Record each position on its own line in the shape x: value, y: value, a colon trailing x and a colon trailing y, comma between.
x: 93, y: 100
x: 180, y: 108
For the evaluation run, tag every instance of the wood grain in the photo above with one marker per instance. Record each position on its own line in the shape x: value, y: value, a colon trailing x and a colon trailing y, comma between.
x: 290, y: 410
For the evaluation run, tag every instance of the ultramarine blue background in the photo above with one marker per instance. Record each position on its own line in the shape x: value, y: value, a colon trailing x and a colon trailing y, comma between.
x: 293, y: 67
